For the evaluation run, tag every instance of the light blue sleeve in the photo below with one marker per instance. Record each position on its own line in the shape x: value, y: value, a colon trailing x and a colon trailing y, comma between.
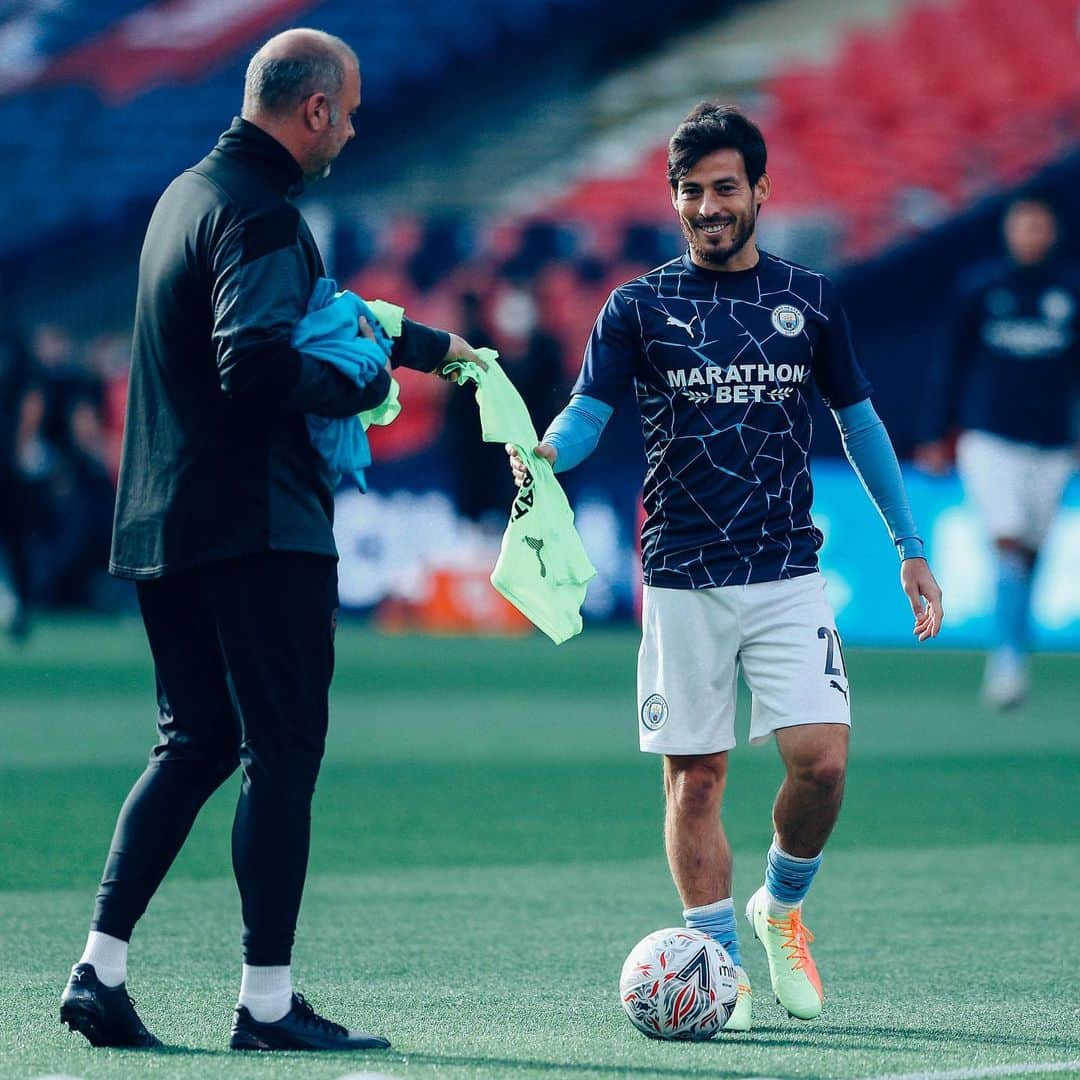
x: 576, y: 431
x: 870, y: 451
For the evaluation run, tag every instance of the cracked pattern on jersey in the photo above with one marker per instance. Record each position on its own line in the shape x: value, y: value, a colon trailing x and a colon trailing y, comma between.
x: 722, y: 384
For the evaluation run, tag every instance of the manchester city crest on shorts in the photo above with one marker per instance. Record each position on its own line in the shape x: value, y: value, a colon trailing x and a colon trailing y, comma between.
x: 654, y: 712
x: 788, y: 320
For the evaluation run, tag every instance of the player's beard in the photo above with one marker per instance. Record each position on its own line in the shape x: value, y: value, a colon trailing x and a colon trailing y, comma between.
x: 741, y: 231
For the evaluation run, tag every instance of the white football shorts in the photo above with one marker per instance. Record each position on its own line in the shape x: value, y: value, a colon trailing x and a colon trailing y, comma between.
x: 693, y: 642
x: 1016, y: 487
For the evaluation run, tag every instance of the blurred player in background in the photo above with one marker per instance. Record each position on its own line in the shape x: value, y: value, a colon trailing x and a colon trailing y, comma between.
x: 722, y: 345
x: 1009, y: 383
x: 223, y: 519
x: 532, y: 358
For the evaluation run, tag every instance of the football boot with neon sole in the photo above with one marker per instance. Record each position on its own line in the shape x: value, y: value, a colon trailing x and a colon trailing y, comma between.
x: 104, y: 1014
x: 792, y: 971
x: 740, y: 1018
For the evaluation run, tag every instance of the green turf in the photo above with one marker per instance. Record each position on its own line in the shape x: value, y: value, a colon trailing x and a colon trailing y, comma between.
x: 487, y: 849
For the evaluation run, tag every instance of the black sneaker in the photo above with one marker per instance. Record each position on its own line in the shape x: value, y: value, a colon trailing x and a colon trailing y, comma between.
x: 301, y: 1028
x: 104, y: 1014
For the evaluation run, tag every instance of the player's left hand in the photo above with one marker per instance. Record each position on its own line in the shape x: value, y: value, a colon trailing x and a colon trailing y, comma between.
x: 518, y: 467
x: 459, y: 349
x: 924, y: 593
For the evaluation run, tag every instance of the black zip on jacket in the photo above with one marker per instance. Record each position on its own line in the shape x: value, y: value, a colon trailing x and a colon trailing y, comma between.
x: 217, y: 461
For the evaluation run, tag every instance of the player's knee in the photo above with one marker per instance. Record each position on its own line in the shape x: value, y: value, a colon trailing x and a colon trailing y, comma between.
x: 223, y: 767
x: 825, y: 772
x: 1015, y: 549
x: 697, y: 786
x: 283, y: 764
x: 207, y: 765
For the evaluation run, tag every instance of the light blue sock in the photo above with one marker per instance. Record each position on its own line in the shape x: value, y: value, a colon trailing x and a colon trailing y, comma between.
x: 718, y: 921
x: 1012, y: 602
x: 787, y: 877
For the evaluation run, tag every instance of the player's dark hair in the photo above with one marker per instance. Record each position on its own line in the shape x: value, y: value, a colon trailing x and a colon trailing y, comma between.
x: 708, y: 127
x: 1034, y: 197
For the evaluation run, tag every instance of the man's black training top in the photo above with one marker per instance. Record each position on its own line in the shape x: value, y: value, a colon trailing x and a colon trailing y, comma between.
x: 217, y: 462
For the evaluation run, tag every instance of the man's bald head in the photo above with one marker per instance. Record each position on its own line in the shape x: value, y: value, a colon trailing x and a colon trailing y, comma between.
x: 291, y: 67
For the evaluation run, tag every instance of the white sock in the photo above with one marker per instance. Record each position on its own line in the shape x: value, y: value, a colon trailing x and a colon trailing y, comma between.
x: 266, y: 992
x: 108, y: 955
x: 777, y: 909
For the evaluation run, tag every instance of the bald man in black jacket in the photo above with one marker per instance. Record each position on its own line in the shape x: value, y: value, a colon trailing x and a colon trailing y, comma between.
x: 223, y: 520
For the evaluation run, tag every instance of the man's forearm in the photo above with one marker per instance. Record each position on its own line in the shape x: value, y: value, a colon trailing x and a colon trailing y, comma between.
x: 419, y: 347
x: 870, y: 451
x: 324, y: 391
x: 576, y: 431
x: 278, y: 378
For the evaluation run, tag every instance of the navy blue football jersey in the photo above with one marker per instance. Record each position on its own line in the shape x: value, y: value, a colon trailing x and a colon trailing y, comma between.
x: 1013, y: 368
x: 722, y: 363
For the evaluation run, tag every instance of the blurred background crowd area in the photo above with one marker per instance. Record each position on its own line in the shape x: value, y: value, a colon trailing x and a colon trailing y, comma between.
x: 508, y: 172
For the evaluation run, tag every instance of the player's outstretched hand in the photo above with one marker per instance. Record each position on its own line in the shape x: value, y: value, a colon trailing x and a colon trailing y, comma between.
x: 520, y: 469
x: 459, y: 349
x: 925, y: 595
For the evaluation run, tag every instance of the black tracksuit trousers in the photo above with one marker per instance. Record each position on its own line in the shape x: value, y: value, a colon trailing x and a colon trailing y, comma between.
x: 243, y: 652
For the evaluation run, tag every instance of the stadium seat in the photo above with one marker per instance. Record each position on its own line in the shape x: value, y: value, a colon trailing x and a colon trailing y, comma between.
x: 165, y: 128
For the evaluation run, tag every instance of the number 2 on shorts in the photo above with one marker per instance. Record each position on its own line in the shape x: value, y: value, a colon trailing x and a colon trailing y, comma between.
x: 832, y: 651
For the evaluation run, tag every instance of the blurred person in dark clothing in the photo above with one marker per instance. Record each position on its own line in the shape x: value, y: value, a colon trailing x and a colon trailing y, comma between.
x: 532, y: 359
x: 73, y: 518
x: 224, y: 521
x: 530, y: 355
x: 477, y: 474
x: 1009, y: 384
x: 20, y: 414
x: 66, y: 490
x: 65, y: 381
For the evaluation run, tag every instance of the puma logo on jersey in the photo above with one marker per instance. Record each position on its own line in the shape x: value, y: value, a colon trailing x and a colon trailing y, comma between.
x: 836, y: 686
x: 537, y: 546
x: 672, y: 321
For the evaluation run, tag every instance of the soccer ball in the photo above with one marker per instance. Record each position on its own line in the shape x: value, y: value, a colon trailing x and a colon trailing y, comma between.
x: 678, y: 984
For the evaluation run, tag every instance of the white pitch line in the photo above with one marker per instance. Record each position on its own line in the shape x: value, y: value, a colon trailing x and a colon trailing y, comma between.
x: 1018, y: 1069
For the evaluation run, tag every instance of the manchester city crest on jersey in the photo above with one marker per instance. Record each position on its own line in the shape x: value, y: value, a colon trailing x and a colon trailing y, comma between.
x: 1057, y: 305
x: 654, y: 712
x: 788, y: 320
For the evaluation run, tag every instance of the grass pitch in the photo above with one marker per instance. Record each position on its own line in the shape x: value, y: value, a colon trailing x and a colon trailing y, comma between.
x: 487, y: 849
